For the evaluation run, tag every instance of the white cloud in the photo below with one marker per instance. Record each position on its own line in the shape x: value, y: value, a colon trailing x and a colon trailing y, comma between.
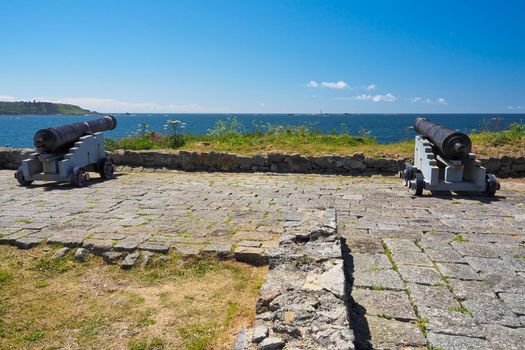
x: 515, y: 107
x: 111, y: 105
x: 388, y: 97
x: 312, y: 84
x: 6, y: 98
x: 335, y: 85
x: 370, y: 87
x: 428, y: 101
x: 329, y: 84
x: 414, y: 99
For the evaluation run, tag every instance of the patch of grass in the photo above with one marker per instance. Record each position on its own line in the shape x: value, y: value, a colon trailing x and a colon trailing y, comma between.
x: 460, y: 238
x: 378, y: 288
x: 422, y: 325
x: 34, y: 336
x: 155, y: 343
x: 517, y: 257
x: 41, y: 284
x: 48, y: 265
x: 90, y: 328
x: 5, y: 276
x: 390, y: 257
x: 24, y: 221
x: 194, y: 303
x: 513, y: 135
x: 199, y: 335
x: 460, y: 309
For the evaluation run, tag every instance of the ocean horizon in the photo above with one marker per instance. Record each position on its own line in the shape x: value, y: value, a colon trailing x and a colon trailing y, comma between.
x: 18, y: 130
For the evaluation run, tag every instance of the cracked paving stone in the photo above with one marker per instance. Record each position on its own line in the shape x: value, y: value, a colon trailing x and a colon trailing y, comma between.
x: 155, y: 247
x: 491, y: 311
x: 505, y: 338
x: 439, y: 254
x: 370, y: 262
x: 68, y: 240
x: 412, y: 258
x: 129, y: 261
x: 455, y: 342
x: 187, y: 249
x: 222, y: 250
x: 365, y: 245
x: 388, y: 279
x: 98, y: 246
x: 450, y: 322
x: 481, y: 250
x: 459, y: 271
x: 516, y: 302
x: 486, y: 266
x: 28, y: 242
x: 390, y: 304
x: 506, y: 284
x: 388, y: 334
x: 432, y: 296
x: 401, y: 245
x: 471, y: 289
x: 422, y: 275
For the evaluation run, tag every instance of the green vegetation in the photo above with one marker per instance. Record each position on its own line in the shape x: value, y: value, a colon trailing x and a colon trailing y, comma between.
x: 460, y: 309
x: 460, y: 238
x: 422, y: 325
x: 515, y: 133
x: 230, y: 135
x: 10, y: 108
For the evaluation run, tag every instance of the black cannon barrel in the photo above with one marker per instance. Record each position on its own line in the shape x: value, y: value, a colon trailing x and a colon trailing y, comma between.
x: 451, y: 143
x: 53, y: 139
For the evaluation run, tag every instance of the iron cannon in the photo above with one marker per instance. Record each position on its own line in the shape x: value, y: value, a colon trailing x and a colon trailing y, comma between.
x: 68, y: 152
x: 443, y: 162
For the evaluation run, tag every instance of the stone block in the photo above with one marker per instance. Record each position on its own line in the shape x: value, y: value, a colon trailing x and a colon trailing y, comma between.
x: 129, y: 261
x: 250, y: 255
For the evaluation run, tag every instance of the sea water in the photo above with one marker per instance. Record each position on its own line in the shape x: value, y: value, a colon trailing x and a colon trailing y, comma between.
x: 18, y: 131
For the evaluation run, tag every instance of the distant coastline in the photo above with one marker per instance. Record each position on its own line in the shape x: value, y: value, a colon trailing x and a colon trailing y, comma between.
x: 44, y: 108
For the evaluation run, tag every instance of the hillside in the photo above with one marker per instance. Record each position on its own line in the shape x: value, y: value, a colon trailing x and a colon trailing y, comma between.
x: 11, y: 108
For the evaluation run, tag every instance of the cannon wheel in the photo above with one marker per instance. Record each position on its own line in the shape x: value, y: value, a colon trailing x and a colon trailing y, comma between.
x: 419, y: 184
x: 80, y: 177
x: 408, y: 174
x: 492, y: 185
x: 106, y: 168
x: 19, y: 176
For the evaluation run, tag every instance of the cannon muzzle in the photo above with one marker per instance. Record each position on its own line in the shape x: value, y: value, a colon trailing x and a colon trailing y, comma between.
x: 55, y: 139
x: 450, y: 143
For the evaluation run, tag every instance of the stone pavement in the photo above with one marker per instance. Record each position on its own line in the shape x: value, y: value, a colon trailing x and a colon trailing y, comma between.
x: 442, y: 272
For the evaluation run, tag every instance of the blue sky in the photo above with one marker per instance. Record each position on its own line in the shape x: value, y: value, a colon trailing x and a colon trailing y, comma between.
x: 266, y: 56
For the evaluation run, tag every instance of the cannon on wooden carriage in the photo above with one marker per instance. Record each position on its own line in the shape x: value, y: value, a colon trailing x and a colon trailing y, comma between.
x: 443, y: 162
x: 68, y: 152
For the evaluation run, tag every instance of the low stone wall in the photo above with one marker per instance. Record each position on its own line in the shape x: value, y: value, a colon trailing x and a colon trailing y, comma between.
x: 356, y: 164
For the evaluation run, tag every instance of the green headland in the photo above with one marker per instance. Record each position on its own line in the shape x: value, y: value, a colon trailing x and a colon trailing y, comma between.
x: 20, y: 107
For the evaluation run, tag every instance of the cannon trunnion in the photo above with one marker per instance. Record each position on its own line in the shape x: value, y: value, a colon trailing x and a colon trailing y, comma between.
x: 68, y: 153
x: 443, y: 162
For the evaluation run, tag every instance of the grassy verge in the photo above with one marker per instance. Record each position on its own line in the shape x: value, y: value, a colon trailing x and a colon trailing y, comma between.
x: 186, y: 304
x: 230, y: 136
